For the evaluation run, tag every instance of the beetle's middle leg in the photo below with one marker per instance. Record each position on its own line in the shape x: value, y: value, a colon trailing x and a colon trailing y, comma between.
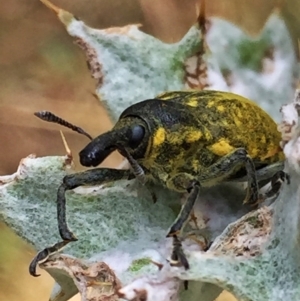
x: 187, y: 182
x: 216, y: 173
x: 91, y: 177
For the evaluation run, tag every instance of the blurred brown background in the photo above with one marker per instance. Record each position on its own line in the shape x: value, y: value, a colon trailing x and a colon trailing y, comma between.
x: 41, y: 68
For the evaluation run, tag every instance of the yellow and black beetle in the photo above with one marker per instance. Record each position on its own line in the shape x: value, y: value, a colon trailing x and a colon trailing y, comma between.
x: 183, y: 140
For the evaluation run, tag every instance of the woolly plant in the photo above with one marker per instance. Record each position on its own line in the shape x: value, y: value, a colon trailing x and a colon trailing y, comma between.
x: 122, y: 251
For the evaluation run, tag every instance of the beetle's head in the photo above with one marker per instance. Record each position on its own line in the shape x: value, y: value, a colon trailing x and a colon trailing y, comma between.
x: 130, y: 133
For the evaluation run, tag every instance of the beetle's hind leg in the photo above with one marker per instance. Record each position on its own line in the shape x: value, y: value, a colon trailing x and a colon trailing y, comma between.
x: 227, y: 166
x: 276, y: 183
x: 272, y: 174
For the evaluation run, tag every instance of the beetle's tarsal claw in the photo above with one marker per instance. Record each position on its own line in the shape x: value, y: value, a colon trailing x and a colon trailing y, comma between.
x: 178, y: 257
x: 281, y: 177
x: 33, y: 265
x: 44, y: 255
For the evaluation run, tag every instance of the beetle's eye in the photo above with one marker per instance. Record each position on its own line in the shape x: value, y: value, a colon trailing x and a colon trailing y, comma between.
x: 136, y: 136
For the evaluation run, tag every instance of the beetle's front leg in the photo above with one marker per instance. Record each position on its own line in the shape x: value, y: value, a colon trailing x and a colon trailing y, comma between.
x: 186, y: 182
x: 91, y: 177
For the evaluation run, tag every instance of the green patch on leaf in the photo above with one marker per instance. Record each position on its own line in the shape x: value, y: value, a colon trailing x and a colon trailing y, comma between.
x: 252, y: 53
x: 139, y: 264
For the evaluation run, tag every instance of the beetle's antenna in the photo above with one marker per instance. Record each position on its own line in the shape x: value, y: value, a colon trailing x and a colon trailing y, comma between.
x: 138, y: 172
x: 50, y: 117
x: 136, y: 168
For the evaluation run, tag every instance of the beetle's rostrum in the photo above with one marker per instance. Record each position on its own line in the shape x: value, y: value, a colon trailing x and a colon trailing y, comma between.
x: 97, y: 151
x: 184, y: 140
x: 130, y: 133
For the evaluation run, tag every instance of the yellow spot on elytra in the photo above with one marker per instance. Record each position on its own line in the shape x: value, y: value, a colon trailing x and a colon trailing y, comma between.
x: 221, y: 148
x: 195, y: 165
x: 221, y: 108
x: 193, y: 136
x: 211, y: 103
x: 159, y: 136
x: 192, y: 102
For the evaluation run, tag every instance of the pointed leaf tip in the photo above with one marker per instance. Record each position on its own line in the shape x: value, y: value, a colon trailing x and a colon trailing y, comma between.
x: 65, y: 17
x: 50, y: 5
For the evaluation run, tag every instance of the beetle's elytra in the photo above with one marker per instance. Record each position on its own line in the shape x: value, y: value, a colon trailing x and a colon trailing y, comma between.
x: 183, y: 140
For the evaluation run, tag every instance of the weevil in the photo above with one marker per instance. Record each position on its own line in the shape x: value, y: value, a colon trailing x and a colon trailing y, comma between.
x: 184, y: 140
